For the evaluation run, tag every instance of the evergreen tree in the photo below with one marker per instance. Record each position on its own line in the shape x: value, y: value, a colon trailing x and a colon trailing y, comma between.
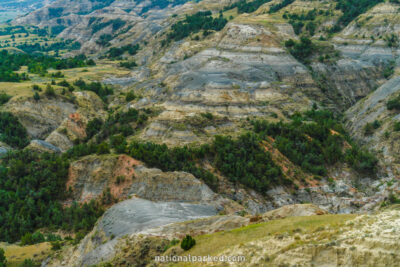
x: 188, y: 242
x: 50, y: 91
x: 36, y: 96
x: 3, y: 260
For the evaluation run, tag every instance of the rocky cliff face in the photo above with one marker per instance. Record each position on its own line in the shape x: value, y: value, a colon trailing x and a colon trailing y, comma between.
x: 41, y: 117
x: 60, y: 121
x: 126, y: 177
x: 374, y: 108
x: 240, y: 72
x: 380, y: 21
x: 73, y: 127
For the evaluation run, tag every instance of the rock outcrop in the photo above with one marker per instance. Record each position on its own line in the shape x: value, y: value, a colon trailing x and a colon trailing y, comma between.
x: 73, y: 128
x: 92, y: 175
x: 40, y: 117
x: 58, y: 121
x: 383, y: 139
x: 127, y: 218
x: 156, y: 185
x: 43, y: 146
x: 293, y: 210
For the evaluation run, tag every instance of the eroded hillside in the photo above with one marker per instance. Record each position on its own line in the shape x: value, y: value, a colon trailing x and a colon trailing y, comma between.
x: 201, y: 117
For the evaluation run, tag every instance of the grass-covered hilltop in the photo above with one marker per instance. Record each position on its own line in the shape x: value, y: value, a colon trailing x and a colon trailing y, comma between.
x: 132, y: 131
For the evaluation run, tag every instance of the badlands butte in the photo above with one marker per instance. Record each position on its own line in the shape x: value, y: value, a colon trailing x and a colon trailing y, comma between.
x: 268, y: 129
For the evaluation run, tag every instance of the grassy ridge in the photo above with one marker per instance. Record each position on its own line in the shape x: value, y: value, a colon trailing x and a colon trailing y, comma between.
x: 216, y: 243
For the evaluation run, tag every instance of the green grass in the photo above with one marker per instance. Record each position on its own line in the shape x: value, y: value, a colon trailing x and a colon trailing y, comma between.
x: 17, y: 254
x: 21, y: 39
x: 216, y: 243
x: 92, y: 73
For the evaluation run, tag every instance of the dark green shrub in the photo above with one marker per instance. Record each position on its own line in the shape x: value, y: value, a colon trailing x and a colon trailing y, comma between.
x: 93, y: 127
x: 117, y: 52
x: 396, y: 126
x: 57, y: 74
x: 119, y: 143
x: 64, y: 83
x: 90, y: 62
x: 4, y: 98
x: 100, y: 89
x: 130, y: 96
x: 103, y: 148
x: 30, y: 239
x: 279, y: 6
x: 52, y: 237
x: 78, y: 237
x: 369, y: 128
x: 361, y: 160
x: 38, y: 237
x: 104, y: 39
x: 393, y: 103
x: 36, y: 96
x: 11, y: 131
x: 36, y: 87
x: 393, y: 199
x: 392, y: 40
x: 290, y: 43
x: 244, y: 6
x: 98, y: 25
x: 201, y: 21
x: 120, y: 179
x: 26, y: 239
x: 50, y: 91
x: 128, y: 64
x: 3, y: 260
x: 242, y: 160
x: 107, y: 198
x: 301, y: 50
x: 188, y: 242
x: 389, y: 70
x: 207, y: 115
x: 56, y: 245
x: 29, y: 263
